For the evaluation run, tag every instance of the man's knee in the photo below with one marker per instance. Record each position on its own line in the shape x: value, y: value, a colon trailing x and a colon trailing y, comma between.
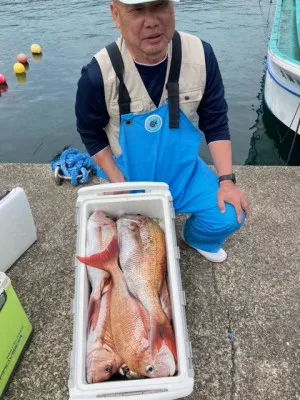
x: 212, y: 222
x: 229, y: 220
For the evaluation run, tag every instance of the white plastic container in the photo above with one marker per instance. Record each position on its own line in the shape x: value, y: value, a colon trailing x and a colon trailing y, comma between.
x: 17, y: 229
x: 155, y: 202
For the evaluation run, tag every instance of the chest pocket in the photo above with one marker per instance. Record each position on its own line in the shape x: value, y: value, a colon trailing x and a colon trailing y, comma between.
x: 136, y: 107
x: 189, y: 101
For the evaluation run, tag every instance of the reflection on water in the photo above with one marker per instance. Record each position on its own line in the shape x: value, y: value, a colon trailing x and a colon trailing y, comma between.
x: 272, y: 143
x: 3, y: 88
x: 37, y: 57
x: 21, y: 78
x: 287, y: 142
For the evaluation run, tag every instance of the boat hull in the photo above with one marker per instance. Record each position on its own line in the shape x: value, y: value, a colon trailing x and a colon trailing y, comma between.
x: 282, y: 91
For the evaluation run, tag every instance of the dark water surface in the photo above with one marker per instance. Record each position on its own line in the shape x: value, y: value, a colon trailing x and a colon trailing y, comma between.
x: 37, y: 113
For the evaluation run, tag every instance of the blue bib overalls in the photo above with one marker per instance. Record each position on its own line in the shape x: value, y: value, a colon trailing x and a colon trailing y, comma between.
x: 163, y: 146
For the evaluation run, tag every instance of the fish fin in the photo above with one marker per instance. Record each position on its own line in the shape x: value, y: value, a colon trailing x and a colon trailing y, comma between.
x: 99, y: 260
x: 170, y: 340
x: 165, y: 300
x: 108, y: 338
x: 156, y: 336
x: 144, y: 316
x: 162, y: 333
x: 107, y: 286
x: 93, y: 313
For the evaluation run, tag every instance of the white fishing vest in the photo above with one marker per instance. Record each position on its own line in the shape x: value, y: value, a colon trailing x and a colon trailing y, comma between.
x: 192, y: 82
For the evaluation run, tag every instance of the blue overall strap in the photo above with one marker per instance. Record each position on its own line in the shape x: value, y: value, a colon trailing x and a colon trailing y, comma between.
x: 118, y: 66
x: 173, y: 85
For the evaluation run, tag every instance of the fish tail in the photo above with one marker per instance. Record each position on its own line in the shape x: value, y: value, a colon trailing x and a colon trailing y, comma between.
x: 162, y: 333
x: 99, y: 260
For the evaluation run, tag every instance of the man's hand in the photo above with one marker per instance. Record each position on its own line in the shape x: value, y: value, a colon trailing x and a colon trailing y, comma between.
x: 231, y: 194
x: 105, y: 161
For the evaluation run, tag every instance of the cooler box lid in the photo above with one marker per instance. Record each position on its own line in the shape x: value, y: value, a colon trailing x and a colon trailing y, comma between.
x: 17, y: 229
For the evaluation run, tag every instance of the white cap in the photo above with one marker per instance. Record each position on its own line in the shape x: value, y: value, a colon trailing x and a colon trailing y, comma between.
x: 140, y: 1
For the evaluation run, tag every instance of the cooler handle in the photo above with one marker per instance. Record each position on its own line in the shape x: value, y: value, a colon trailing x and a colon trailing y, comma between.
x: 113, y: 188
x: 3, y: 298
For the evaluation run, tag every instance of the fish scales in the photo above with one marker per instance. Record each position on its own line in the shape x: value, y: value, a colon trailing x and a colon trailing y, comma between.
x: 143, y: 260
x: 128, y: 319
x: 101, y: 359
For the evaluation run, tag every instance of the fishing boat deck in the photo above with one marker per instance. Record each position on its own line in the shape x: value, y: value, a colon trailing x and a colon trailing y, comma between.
x: 288, y: 33
x: 243, y: 315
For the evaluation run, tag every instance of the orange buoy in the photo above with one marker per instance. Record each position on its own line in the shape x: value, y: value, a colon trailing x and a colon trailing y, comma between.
x: 21, y: 58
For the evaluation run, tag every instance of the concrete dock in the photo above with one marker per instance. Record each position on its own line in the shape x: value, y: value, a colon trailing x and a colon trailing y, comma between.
x: 243, y: 315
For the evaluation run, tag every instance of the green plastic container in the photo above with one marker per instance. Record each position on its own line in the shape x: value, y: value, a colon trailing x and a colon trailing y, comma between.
x: 15, y: 331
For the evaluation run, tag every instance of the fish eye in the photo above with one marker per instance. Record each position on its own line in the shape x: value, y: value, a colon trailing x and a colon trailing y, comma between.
x: 108, y: 369
x: 149, y: 369
x: 133, y: 226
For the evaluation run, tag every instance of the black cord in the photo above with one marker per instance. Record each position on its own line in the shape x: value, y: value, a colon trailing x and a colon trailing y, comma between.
x: 294, y: 141
x: 289, y: 128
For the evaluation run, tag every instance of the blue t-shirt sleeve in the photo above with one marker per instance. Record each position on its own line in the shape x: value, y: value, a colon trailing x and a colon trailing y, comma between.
x: 212, y: 111
x: 90, y: 109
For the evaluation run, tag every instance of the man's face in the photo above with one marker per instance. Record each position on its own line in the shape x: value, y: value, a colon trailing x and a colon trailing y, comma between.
x: 147, y: 28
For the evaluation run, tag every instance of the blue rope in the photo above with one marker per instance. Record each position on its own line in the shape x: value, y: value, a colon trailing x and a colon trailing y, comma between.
x: 73, y: 163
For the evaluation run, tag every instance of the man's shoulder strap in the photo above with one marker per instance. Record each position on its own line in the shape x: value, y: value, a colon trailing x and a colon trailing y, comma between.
x: 118, y: 65
x: 173, y: 85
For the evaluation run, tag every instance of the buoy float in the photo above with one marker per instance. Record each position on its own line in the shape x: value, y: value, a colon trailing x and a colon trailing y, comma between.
x: 21, y: 58
x: 35, y: 49
x: 2, y: 79
x: 3, y: 84
x: 19, y: 68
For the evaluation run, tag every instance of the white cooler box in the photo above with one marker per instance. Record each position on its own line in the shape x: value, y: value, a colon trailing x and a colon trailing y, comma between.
x: 17, y: 229
x: 155, y: 202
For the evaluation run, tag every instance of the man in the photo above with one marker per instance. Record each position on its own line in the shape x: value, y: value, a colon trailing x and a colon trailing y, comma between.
x: 134, y: 106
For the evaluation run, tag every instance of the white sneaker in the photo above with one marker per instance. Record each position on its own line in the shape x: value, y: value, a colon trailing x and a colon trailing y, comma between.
x: 217, y: 257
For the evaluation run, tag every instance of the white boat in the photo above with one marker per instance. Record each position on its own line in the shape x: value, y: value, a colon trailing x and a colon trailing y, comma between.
x: 282, y: 84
